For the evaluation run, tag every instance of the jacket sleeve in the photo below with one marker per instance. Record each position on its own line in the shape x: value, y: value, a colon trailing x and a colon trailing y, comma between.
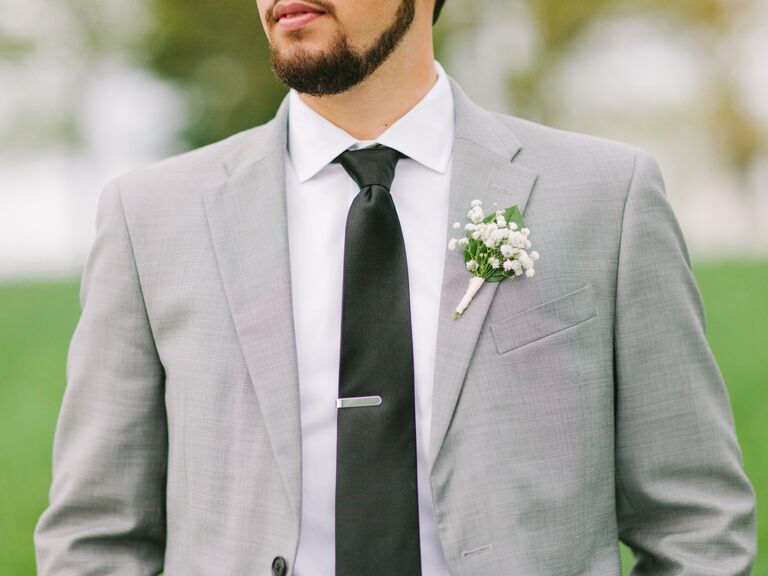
x: 684, y: 503
x: 107, y: 499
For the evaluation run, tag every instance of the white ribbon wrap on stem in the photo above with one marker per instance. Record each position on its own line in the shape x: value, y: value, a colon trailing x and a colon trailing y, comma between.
x: 474, y: 286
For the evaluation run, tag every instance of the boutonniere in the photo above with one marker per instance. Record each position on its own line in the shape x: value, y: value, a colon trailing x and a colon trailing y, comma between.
x: 494, y: 248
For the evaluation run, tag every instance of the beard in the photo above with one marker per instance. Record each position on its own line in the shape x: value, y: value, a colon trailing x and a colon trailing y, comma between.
x: 340, y: 67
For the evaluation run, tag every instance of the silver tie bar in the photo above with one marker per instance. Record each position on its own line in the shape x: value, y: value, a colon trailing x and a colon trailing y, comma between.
x: 358, y: 401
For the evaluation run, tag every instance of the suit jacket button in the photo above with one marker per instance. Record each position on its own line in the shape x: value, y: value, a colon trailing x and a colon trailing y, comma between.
x: 278, y: 566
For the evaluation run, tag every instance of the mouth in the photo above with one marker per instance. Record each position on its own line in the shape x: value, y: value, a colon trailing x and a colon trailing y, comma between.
x: 295, y: 15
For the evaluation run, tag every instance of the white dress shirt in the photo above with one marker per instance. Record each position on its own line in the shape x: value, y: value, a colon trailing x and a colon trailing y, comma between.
x: 319, y: 194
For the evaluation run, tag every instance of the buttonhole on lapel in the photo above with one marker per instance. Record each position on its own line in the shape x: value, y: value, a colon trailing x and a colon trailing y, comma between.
x: 502, y: 189
x: 475, y: 551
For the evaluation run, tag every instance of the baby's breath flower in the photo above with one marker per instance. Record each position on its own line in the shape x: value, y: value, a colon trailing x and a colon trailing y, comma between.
x: 517, y: 240
x: 498, y: 235
x: 494, y: 249
x: 475, y: 214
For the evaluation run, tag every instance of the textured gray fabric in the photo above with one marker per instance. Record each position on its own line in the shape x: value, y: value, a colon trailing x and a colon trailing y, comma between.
x: 570, y: 409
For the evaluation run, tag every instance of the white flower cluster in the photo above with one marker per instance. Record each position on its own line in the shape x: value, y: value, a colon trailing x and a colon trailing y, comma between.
x: 499, y: 245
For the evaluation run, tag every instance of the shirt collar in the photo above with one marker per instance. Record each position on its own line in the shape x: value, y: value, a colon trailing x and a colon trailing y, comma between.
x: 425, y: 133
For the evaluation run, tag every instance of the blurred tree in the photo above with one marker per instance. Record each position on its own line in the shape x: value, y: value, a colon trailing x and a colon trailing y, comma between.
x: 561, y: 26
x: 48, y: 53
x: 14, y: 48
x: 217, y: 54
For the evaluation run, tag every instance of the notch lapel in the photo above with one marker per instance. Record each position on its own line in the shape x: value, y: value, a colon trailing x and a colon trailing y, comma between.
x: 248, y: 225
x: 483, y: 168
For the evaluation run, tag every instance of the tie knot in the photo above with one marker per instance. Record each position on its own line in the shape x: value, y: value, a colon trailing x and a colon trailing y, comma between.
x: 367, y: 166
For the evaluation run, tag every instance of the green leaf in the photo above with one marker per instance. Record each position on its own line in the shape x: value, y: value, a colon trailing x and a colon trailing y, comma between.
x: 471, y: 248
x: 511, y: 214
x: 497, y: 275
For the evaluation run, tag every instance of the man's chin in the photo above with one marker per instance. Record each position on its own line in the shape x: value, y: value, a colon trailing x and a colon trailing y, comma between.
x: 301, y: 48
x: 299, y: 63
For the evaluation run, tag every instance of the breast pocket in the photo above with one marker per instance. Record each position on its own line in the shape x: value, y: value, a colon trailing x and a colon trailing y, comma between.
x: 544, y: 319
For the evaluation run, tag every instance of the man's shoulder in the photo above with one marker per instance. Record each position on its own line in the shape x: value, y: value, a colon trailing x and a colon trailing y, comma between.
x: 571, y: 156
x: 195, y: 169
x: 206, y: 163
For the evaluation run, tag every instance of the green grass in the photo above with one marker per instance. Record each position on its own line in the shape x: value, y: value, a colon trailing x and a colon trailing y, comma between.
x: 37, y: 321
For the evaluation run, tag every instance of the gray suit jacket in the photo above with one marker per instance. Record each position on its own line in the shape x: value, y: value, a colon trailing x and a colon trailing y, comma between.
x: 570, y: 410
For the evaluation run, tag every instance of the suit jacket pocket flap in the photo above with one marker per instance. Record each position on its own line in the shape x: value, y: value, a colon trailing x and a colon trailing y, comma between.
x: 545, y: 319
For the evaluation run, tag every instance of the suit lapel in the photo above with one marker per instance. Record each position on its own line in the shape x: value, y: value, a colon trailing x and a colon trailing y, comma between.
x: 483, y: 168
x: 248, y: 225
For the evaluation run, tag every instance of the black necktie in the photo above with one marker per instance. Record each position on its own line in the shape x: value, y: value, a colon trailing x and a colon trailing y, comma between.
x: 377, y: 518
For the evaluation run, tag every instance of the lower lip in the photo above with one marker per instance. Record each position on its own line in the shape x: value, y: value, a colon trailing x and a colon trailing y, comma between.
x: 296, y: 22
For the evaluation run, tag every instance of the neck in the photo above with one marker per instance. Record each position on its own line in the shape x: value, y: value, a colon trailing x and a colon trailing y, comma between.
x: 368, y: 109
